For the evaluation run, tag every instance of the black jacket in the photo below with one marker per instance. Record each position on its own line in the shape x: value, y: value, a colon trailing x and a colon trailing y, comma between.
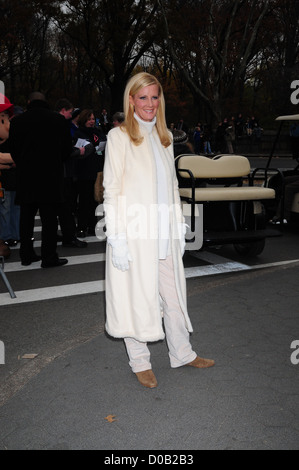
x: 40, y: 141
x: 87, y: 168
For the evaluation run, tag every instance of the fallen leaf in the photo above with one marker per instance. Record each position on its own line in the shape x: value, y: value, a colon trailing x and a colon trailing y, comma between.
x: 110, y: 418
x: 29, y: 356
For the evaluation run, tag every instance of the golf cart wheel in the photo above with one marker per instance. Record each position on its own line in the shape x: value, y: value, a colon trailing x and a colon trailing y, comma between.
x: 250, y: 249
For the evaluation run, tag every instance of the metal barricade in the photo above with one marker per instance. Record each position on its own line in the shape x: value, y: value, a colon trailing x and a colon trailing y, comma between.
x: 6, y: 282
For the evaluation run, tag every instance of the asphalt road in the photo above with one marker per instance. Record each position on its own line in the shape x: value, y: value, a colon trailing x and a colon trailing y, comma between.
x: 58, y: 309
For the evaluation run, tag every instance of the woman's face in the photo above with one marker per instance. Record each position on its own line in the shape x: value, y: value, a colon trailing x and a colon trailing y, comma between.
x: 146, y: 102
x: 90, y: 121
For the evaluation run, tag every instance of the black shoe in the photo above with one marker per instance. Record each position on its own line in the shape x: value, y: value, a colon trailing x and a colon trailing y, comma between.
x: 33, y: 259
x: 81, y: 234
x: 53, y: 264
x: 75, y: 244
x: 11, y: 242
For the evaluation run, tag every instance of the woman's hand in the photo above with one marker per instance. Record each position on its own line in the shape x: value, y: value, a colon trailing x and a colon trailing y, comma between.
x: 120, y: 252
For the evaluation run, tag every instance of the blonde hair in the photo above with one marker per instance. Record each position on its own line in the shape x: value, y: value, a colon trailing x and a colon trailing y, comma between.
x: 136, y: 83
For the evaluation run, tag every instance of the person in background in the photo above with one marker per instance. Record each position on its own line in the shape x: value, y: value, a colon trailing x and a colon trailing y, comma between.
x: 74, y: 122
x: 197, y: 138
x: 66, y: 214
x: 87, y: 171
x: 105, y: 121
x: 144, y: 268
x: 230, y: 137
x: 40, y: 142
x: 181, y: 143
x: 220, y: 143
x: 290, y: 188
x: 207, y: 137
x: 117, y: 119
x: 9, y: 211
x: 239, y: 125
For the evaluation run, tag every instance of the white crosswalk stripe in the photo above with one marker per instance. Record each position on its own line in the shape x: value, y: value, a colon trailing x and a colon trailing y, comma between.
x: 72, y: 261
x: 209, y: 264
x: 68, y: 290
x: 54, y: 292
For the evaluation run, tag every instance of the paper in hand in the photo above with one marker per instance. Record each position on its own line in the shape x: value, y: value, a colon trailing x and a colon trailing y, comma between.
x: 81, y: 143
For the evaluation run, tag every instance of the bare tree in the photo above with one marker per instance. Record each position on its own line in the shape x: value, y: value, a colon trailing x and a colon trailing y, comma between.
x: 114, y: 33
x: 213, y: 44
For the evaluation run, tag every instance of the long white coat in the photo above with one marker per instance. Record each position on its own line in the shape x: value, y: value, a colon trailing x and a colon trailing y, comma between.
x: 133, y: 306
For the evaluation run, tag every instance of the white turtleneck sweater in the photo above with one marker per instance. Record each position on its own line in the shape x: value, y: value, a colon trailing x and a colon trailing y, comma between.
x: 162, y: 191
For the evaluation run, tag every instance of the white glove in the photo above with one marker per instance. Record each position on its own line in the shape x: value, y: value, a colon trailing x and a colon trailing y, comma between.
x: 120, y: 252
x: 182, y: 229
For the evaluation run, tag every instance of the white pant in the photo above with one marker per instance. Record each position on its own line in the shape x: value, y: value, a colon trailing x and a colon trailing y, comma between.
x: 177, y: 335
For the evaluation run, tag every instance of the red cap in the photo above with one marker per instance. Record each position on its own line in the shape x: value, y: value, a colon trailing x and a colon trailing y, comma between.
x: 5, y: 105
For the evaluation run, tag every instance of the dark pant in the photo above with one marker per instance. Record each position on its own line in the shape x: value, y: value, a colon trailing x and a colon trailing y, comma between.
x: 86, y: 205
x: 66, y: 213
x: 291, y: 188
x: 48, y: 214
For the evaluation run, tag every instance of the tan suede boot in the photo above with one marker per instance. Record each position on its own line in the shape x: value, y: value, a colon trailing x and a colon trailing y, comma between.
x: 201, y: 363
x: 147, y: 378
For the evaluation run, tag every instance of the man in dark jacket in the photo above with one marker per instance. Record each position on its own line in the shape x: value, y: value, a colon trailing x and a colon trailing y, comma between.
x: 39, y: 142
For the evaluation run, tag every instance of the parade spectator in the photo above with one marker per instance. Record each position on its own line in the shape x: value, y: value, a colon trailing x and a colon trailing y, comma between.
x: 291, y: 187
x: 9, y: 211
x: 87, y: 170
x: 105, y: 121
x: 257, y: 133
x: 40, y: 141
x: 74, y: 123
x: 66, y: 214
x: 197, y: 139
x: 230, y: 137
x: 220, y: 143
x: 181, y: 144
x: 207, y: 136
x: 118, y: 118
x: 239, y: 125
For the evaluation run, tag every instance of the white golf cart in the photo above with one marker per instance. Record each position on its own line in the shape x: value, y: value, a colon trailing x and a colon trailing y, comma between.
x: 223, y: 202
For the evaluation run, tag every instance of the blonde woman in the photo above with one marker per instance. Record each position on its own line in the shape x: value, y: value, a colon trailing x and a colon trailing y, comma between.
x: 145, y: 281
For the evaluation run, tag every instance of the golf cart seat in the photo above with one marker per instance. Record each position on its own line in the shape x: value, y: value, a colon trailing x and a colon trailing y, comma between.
x: 226, y: 207
x: 229, y: 171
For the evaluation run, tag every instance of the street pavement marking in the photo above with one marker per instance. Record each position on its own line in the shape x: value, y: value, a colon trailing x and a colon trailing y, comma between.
x: 50, y: 293
x: 38, y: 243
x: 216, y: 265
x: 55, y: 292
x: 211, y: 270
x: 229, y: 267
x: 72, y: 261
